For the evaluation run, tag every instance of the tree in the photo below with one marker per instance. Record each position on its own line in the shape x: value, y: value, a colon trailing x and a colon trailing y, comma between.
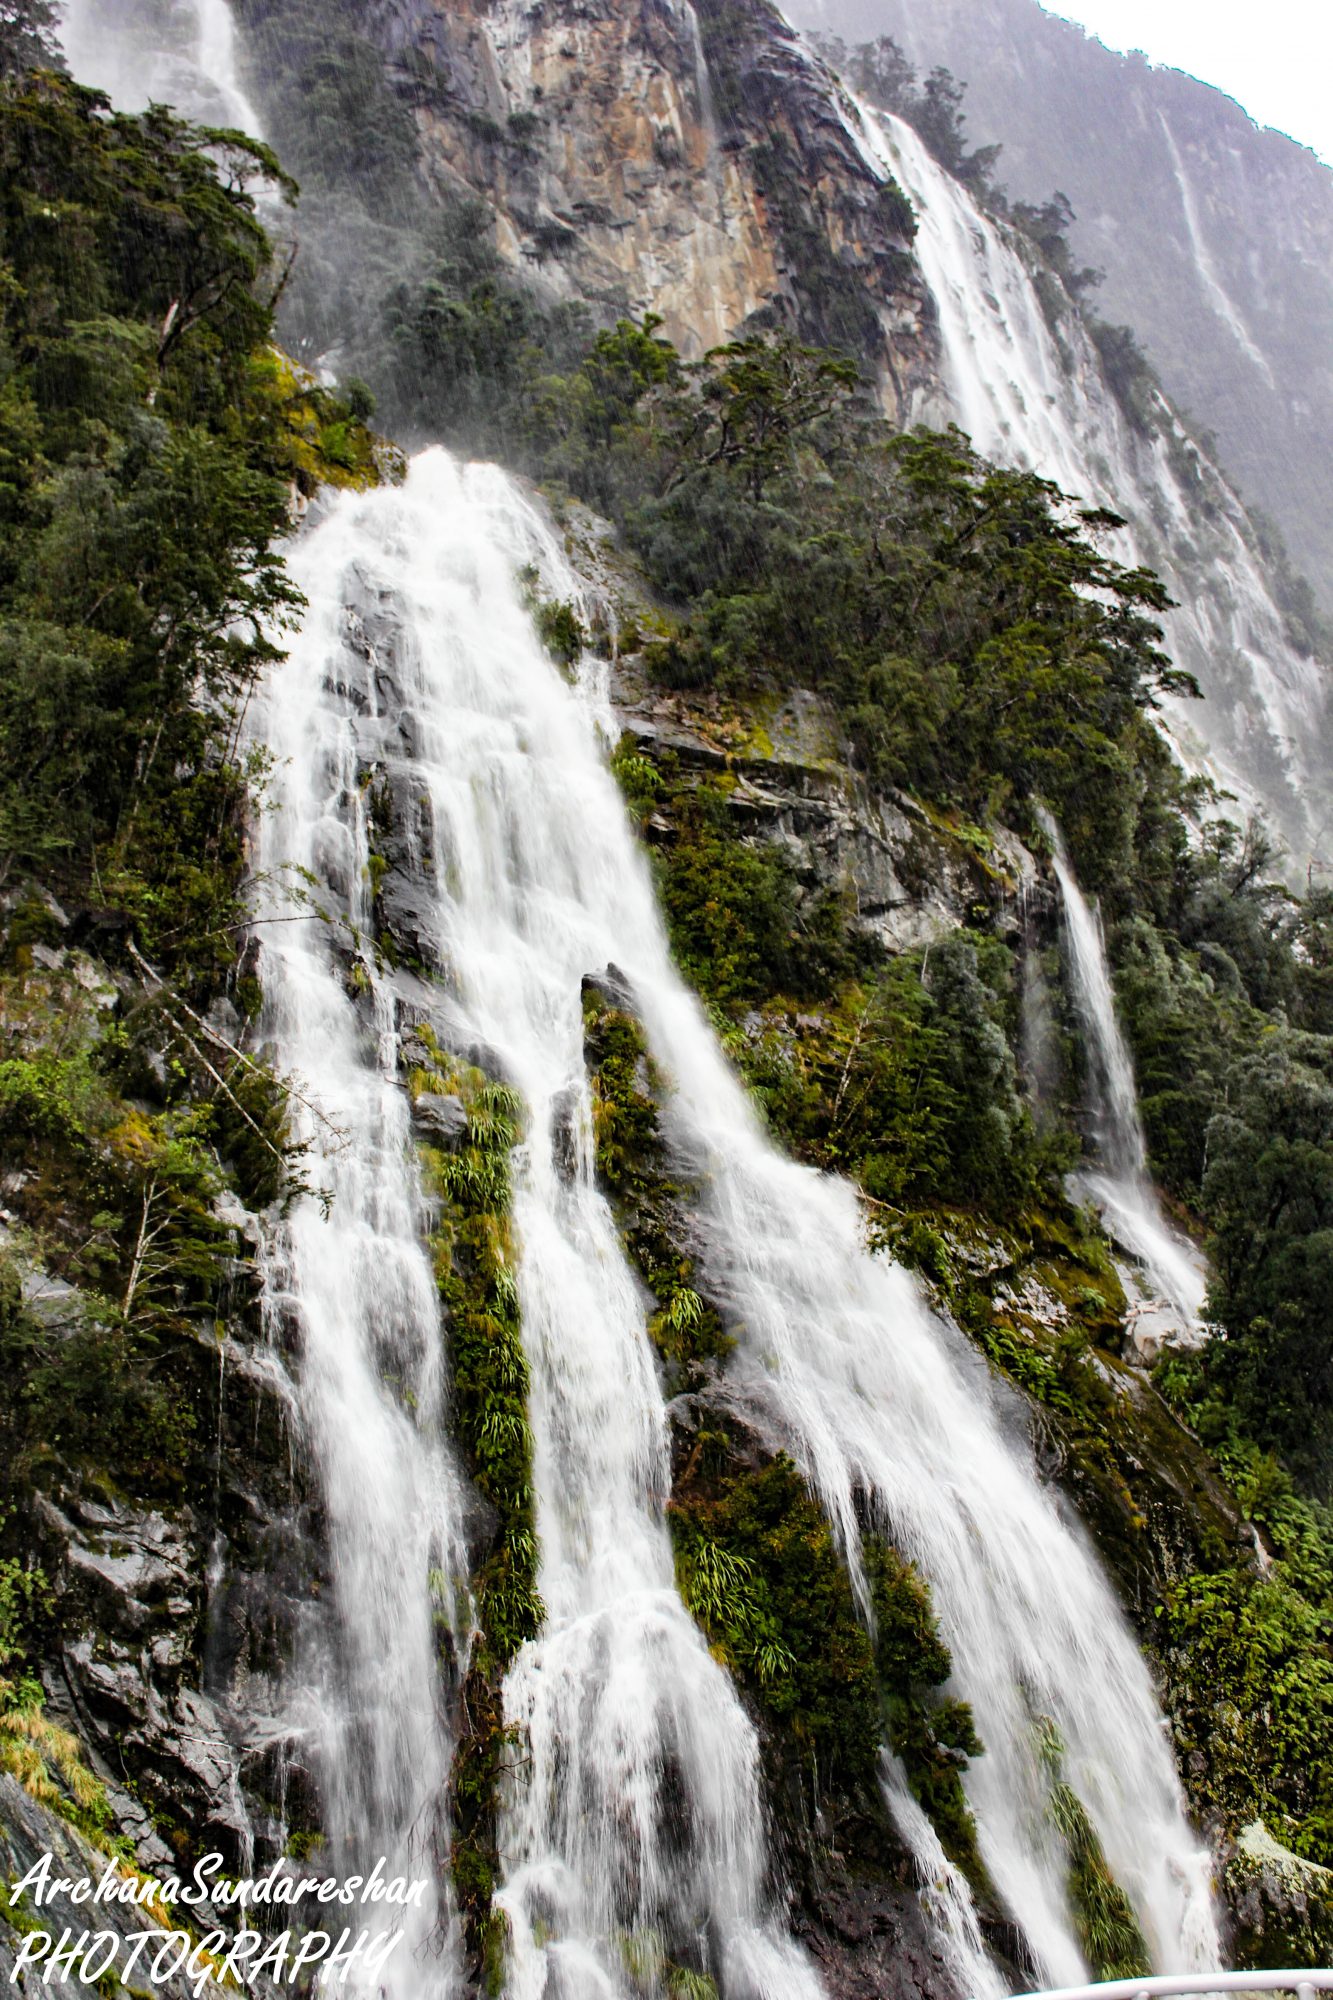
x: 1269, y: 1188
x: 757, y: 398
x: 28, y: 36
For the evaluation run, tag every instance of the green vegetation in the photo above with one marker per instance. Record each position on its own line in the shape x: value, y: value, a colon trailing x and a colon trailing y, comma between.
x: 738, y: 927
x: 941, y: 605
x: 973, y: 646
x: 149, y: 437
x: 474, y: 1264
x: 475, y: 1270
x: 650, y: 1199
x: 1248, y: 1654
x: 759, y: 1569
x: 48, y: 1762
x: 1226, y: 1000
x: 755, y: 1557
x: 1107, y: 1928
x: 151, y: 441
x: 118, y: 1199
x: 45, y: 1759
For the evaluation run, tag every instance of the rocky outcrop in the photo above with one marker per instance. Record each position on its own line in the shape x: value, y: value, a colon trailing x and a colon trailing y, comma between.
x: 699, y: 164
x: 1282, y: 1905
x: 907, y: 880
x: 171, y: 1622
x: 27, y: 1832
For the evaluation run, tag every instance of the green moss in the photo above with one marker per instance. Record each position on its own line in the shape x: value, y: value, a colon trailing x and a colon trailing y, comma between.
x: 1284, y: 1904
x: 759, y: 1569
x: 741, y: 927
x: 932, y: 1734
x: 474, y: 1266
x: 758, y: 1566
x: 650, y: 1202
x: 1251, y: 1679
x: 561, y: 632
x: 315, y: 432
x: 1108, y: 1930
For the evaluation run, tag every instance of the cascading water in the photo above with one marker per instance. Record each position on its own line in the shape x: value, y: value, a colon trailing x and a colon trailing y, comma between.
x: 635, y: 1812
x: 633, y: 1822
x: 637, y: 1821
x: 892, y: 1417
x: 1031, y: 395
x: 1120, y: 1186
x: 177, y: 52
x: 348, y: 1284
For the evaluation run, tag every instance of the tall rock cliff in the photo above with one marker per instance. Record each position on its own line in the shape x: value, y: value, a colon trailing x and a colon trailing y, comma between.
x: 1216, y: 237
x: 692, y: 162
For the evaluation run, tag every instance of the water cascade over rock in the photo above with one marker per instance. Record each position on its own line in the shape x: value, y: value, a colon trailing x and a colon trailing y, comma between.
x: 1120, y: 1185
x: 177, y: 52
x: 350, y: 1291
x: 417, y: 702
x: 638, y: 1813
x: 635, y: 1809
x: 1031, y: 390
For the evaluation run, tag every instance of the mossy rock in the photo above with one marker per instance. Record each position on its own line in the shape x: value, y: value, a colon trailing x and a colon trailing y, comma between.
x: 1282, y: 1905
x: 321, y: 439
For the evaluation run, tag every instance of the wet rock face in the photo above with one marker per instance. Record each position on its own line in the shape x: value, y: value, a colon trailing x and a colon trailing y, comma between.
x: 1281, y: 1905
x: 29, y: 1833
x: 175, y: 1623
x: 642, y: 155
x: 440, y: 1118
x: 906, y: 885
x: 869, y: 1941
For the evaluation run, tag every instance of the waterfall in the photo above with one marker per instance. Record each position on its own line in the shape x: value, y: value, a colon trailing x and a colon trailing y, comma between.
x: 635, y: 1811
x: 1032, y: 391
x: 417, y: 656
x: 349, y: 1291
x: 632, y: 1823
x: 1120, y: 1186
x: 177, y: 52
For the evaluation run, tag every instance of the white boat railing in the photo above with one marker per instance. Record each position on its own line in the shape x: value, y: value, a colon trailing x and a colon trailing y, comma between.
x: 1304, y: 1984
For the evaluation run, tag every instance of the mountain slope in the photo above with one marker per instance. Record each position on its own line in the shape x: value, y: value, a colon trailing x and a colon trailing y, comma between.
x: 576, y: 1303
x: 1216, y: 237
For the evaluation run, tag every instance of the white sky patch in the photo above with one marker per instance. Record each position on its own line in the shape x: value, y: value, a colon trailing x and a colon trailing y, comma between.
x: 1276, y: 60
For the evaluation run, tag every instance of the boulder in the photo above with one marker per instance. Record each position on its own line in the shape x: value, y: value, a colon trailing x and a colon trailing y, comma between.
x: 441, y: 1119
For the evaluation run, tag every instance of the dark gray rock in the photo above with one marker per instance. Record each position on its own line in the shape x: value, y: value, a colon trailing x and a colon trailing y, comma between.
x: 613, y: 987
x: 28, y: 1831
x: 442, y: 1119
x: 1281, y: 1904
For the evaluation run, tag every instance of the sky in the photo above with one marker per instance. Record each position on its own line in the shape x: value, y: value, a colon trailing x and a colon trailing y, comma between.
x: 1275, y: 57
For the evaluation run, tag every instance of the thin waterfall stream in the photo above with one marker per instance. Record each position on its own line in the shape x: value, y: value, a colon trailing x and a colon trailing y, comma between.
x: 418, y: 655
x: 1119, y: 1183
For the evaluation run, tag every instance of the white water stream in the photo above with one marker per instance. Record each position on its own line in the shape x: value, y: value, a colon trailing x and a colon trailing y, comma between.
x: 635, y: 1812
x: 177, y: 52
x: 350, y: 1287
x: 1029, y: 395
x: 1120, y: 1185
x: 637, y: 1818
